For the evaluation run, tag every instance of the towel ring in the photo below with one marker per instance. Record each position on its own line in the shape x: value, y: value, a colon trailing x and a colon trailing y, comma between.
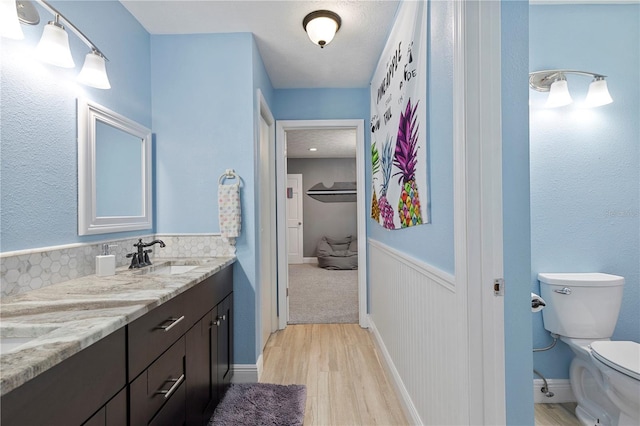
x: 228, y: 174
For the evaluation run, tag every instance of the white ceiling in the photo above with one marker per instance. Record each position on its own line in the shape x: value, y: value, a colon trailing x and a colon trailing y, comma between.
x: 290, y: 58
x: 330, y: 143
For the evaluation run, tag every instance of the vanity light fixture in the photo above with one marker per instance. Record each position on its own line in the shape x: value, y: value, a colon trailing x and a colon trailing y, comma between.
x: 9, y: 23
x: 53, y: 47
x: 555, y: 82
x: 321, y: 26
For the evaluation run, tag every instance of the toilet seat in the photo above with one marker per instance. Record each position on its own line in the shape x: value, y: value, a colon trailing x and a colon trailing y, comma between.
x: 623, y: 356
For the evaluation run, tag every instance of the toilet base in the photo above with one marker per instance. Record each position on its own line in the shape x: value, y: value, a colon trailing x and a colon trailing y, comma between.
x: 594, y: 407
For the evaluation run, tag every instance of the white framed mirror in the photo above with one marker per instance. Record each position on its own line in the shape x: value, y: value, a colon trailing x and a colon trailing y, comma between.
x: 114, y: 172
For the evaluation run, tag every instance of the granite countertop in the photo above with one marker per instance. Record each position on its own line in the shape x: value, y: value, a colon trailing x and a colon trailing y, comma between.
x: 43, y: 327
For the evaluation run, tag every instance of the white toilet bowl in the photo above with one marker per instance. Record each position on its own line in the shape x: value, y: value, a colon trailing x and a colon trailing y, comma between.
x: 582, y: 308
x: 593, y: 404
x: 619, y: 365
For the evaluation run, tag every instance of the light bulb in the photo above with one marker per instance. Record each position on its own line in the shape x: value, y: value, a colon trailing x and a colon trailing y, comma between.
x: 53, y: 47
x: 9, y: 23
x: 94, y: 72
x: 558, y: 94
x: 598, y: 93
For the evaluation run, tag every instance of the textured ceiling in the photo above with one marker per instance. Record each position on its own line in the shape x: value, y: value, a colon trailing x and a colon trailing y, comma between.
x: 291, y: 60
x: 330, y: 143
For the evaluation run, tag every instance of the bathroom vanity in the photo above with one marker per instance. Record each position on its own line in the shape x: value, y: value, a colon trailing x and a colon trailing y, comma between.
x: 151, y: 346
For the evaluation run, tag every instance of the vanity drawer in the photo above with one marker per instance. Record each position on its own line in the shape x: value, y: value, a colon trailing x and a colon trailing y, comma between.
x: 151, y: 334
x: 161, y: 383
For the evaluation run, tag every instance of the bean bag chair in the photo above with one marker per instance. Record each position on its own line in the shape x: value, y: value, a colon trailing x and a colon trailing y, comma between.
x: 337, y: 253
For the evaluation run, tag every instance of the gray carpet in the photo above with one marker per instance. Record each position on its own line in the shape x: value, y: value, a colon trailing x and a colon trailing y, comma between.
x: 258, y: 404
x: 321, y: 296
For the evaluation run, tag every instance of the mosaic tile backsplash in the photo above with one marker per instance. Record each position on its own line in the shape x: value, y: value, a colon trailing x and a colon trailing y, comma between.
x: 28, y: 270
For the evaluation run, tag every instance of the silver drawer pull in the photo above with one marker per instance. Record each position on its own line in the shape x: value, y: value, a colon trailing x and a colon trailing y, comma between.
x: 565, y: 290
x: 176, y: 383
x: 168, y: 327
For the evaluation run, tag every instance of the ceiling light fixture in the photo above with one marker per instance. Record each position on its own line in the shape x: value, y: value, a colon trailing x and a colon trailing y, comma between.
x: 321, y: 26
x: 555, y: 82
x: 313, y: 149
x: 53, y: 47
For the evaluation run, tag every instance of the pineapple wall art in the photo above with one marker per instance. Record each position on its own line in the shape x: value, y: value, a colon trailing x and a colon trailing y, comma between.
x: 400, y: 191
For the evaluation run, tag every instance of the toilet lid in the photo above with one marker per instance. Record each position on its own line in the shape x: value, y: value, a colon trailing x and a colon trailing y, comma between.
x: 622, y: 356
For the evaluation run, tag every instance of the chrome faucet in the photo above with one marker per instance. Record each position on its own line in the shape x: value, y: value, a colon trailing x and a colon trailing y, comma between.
x: 141, y: 257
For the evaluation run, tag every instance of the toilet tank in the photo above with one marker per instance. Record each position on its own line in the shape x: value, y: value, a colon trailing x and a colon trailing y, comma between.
x: 581, y: 305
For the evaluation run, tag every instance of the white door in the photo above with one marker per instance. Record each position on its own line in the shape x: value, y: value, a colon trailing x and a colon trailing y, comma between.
x: 294, y: 218
x: 267, y: 232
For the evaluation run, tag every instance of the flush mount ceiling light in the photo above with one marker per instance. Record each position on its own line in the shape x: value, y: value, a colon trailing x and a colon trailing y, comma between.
x: 555, y: 82
x: 313, y: 149
x: 53, y: 47
x: 321, y: 26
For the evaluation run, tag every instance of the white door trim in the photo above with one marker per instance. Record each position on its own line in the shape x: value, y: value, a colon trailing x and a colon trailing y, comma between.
x: 281, y: 170
x: 268, y: 259
x: 478, y: 204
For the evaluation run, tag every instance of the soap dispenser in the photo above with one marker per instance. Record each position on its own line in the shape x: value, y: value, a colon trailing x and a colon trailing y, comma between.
x: 106, y: 262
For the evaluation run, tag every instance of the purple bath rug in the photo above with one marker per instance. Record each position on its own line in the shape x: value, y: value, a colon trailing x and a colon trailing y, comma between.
x: 258, y: 404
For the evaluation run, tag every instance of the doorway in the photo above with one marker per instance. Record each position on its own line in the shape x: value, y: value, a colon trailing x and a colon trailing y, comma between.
x: 282, y: 127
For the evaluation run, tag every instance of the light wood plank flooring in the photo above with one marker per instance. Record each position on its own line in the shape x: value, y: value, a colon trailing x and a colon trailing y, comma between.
x: 556, y: 415
x: 340, y: 366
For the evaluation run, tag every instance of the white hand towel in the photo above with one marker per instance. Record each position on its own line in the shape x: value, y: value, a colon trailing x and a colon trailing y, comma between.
x: 229, y: 210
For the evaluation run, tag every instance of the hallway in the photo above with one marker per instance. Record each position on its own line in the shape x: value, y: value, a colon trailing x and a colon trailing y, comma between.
x: 340, y: 366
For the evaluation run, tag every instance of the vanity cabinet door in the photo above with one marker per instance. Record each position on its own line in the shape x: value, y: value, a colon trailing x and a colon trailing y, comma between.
x: 114, y: 413
x: 225, y: 343
x: 162, y: 382
x: 198, y: 371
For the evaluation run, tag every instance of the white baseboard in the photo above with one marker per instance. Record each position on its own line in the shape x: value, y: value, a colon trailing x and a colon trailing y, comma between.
x: 245, y: 373
x: 405, y: 400
x: 260, y: 366
x: 561, y: 389
x: 310, y: 260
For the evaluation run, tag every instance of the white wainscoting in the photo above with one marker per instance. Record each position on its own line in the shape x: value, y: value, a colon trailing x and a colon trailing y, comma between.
x: 413, y: 315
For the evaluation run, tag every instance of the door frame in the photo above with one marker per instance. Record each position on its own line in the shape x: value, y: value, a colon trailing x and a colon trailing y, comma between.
x: 478, y: 223
x: 264, y: 112
x: 301, y: 223
x: 281, y: 170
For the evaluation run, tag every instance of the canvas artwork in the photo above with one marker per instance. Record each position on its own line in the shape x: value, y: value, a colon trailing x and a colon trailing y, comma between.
x: 400, y: 193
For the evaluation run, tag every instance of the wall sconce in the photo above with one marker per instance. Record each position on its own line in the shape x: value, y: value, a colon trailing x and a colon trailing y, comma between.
x: 555, y: 82
x: 321, y: 26
x: 53, y: 47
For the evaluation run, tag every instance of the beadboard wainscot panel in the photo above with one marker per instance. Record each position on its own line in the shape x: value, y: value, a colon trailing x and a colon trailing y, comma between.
x: 412, y: 315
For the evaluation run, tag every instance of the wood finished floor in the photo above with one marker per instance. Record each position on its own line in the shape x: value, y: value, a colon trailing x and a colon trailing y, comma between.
x: 340, y: 366
x: 556, y: 415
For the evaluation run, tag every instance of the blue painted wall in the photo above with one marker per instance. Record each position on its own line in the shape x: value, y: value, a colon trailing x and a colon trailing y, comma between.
x: 433, y: 242
x: 204, y: 117
x: 585, y: 163
x: 515, y: 212
x: 38, y: 123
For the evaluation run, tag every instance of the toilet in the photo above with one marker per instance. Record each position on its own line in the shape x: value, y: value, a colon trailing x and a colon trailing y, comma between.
x: 583, y: 308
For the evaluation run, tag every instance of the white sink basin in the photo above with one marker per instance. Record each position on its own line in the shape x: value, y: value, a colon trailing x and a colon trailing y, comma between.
x: 172, y: 269
x: 13, y: 337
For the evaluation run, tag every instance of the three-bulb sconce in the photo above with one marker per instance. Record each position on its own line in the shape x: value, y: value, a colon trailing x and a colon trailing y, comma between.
x: 53, y: 47
x: 555, y: 82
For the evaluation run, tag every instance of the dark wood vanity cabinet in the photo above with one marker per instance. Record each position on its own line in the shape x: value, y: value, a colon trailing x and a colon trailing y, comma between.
x: 168, y: 367
x: 72, y: 391
x: 183, y: 384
